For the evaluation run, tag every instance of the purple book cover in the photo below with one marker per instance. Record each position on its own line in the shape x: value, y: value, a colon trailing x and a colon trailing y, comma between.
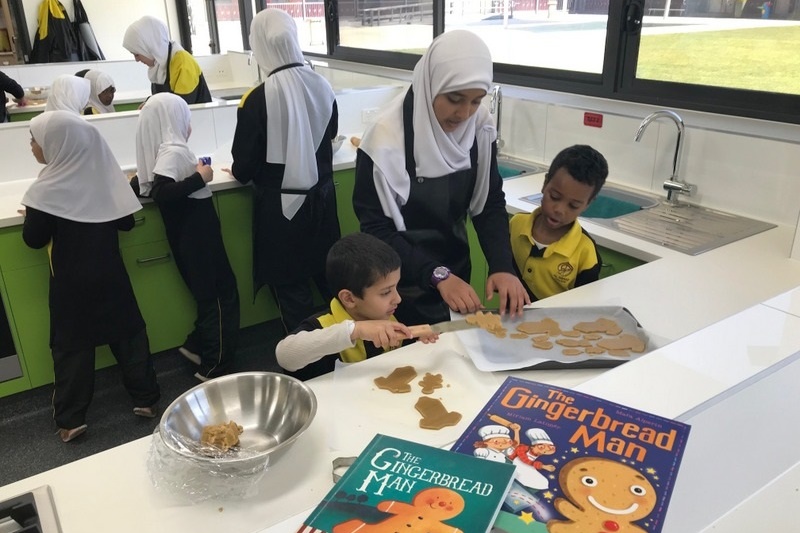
x: 583, y: 464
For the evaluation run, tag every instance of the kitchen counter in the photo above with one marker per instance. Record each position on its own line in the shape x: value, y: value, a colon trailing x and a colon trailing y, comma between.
x: 721, y: 318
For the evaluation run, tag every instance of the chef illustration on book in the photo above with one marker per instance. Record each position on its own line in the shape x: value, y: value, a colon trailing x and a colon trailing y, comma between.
x: 526, y: 458
x: 496, y: 443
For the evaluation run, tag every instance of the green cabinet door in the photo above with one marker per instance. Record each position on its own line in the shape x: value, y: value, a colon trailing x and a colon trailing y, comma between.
x: 236, y: 217
x: 344, y: 181
x: 615, y: 262
x: 164, y: 300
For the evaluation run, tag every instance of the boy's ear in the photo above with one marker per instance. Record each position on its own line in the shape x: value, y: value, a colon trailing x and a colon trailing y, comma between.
x: 347, y: 298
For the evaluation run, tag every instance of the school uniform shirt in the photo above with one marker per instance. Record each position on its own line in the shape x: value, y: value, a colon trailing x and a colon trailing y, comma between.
x: 282, y: 145
x: 570, y: 262
x: 175, y: 70
x: 314, y: 347
x: 76, y: 207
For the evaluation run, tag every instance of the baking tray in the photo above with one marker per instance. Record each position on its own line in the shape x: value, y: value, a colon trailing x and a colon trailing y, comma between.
x: 490, y: 353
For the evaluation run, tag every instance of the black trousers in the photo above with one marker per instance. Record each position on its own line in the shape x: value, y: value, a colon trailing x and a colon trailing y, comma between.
x: 74, y: 378
x: 216, y: 333
x: 296, y: 300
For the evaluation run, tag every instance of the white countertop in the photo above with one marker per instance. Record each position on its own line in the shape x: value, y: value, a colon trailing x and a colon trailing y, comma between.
x: 733, y: 312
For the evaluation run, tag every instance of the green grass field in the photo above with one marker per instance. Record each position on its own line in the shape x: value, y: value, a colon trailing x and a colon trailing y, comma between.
x: 764, y: 59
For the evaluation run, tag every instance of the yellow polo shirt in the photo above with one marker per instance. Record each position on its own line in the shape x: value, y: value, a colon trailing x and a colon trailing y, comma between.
x: 558, y: 267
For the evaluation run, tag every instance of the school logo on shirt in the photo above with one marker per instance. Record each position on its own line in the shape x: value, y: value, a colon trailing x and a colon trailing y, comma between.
x: 563, y: 271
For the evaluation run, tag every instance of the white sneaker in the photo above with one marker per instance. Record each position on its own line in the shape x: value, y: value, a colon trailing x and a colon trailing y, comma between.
x: 191, y: 356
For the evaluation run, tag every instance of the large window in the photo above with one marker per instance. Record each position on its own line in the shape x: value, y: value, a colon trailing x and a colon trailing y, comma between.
x: 736, y: 57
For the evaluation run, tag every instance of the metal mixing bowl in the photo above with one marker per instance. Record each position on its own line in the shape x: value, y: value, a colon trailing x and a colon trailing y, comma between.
x: 274, y: 409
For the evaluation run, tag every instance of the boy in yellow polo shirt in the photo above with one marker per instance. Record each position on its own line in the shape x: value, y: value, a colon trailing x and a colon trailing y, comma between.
x: 552, y: 253
x: 362, y: 272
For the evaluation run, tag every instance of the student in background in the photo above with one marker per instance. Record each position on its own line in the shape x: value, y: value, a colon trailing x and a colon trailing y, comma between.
x: 170, y: 67
x: 282, y: 145
x: 76, y: 207
x: 101, y: 97
x: 169, y: 173
x: 552, y: 253
x: 8, y: 85
x: 69, y: 93
x: 426, y: 164
x: 363, y: 272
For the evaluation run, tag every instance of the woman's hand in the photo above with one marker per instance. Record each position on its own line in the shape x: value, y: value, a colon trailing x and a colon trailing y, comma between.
x: 513, y: 295
x: 205, y: 171
x: 459, y: 295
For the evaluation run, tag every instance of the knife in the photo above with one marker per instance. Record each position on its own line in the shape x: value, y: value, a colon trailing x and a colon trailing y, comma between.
x: 423, y: 330
x: 454, y: 325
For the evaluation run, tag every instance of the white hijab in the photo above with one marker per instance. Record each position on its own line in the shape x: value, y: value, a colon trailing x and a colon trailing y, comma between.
x: 69, y: 93
x: 299, y: 104
x: 100, y: 82
x: 456, y: 60
x: 161, y: 135
x: 82, y: 180
x: 149, y: 37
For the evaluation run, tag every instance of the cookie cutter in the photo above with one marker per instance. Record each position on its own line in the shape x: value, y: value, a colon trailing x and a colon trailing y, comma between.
x: 206, y: 160
x: 339, y: 467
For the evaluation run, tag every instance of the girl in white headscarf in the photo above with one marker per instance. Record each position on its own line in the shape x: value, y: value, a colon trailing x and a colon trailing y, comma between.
x: 283, y: 146
x: 101, y: 97
x: 427, y: 163
x: 69, y: 93
x: 76, y: 207
x: 170, y: 67
x: 169, y: 173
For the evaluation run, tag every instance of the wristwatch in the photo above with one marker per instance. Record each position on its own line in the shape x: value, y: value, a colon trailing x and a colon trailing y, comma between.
x: 440, y: 274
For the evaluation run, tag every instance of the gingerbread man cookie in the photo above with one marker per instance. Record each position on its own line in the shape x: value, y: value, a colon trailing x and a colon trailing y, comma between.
x: 602, y: 496
x: 423, y: 515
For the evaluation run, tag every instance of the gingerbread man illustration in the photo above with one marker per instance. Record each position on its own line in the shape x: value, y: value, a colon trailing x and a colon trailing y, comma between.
x: 603, y: 496
x: 423, y: 515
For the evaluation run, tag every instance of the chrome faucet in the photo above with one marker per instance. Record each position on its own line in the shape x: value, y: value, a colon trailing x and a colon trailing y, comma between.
x: 673, y: 185
x: 497, y: 111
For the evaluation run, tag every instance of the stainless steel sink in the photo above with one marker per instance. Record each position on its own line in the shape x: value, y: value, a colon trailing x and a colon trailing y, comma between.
x: 514, y: 168
x: 687, y: 228
x: 611, y: 202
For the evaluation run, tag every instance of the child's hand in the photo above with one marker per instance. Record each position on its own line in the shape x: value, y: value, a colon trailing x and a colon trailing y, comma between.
x: 424, y: 333
x: 428, y: 338
x: 229, y: 171
x: 205, y: 171
x: 513, y: 296
x: 382, y: 333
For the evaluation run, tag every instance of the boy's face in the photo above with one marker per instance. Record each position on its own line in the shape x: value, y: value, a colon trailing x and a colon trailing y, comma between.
x: 379, y: 300
x: 563, y: 199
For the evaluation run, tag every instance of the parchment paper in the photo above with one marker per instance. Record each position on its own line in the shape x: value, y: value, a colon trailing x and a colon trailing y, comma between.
x: 490, y: 353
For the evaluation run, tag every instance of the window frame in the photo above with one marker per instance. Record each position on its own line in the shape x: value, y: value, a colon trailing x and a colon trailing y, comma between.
x: 616, y: 82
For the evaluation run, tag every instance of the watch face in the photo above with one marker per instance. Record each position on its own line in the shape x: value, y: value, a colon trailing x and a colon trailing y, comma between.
x: 441, y: 273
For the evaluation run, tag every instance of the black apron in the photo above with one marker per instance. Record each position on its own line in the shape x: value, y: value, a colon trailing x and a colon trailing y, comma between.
x: 435, y: 218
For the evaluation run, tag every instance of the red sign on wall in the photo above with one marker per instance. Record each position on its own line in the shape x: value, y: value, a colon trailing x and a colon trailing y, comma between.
x: 594, y: 120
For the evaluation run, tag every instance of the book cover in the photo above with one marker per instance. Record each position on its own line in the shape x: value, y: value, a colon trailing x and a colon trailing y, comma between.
x: 583, y: 464
x: 396, y: 485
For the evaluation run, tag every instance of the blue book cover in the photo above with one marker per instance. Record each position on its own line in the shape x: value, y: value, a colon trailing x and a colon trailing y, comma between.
x: 583, y: 464
x: 395, y: 485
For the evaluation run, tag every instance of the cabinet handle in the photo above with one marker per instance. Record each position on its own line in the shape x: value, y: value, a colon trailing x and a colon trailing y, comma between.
x: 138, y: 221
x: 148, y: 260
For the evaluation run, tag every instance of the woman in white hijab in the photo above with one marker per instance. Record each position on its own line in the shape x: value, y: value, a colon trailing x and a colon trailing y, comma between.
x: 101, y: 97
x: 76, y: 207
x: 69, y: 93
x: 169, y: 173
x: 427, y: 163
x: 169, y: 67
x: 283, y: 146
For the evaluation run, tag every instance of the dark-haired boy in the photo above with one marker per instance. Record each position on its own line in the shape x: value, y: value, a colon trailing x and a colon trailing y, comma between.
x: 552, y: 253
x: 363, y: 272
